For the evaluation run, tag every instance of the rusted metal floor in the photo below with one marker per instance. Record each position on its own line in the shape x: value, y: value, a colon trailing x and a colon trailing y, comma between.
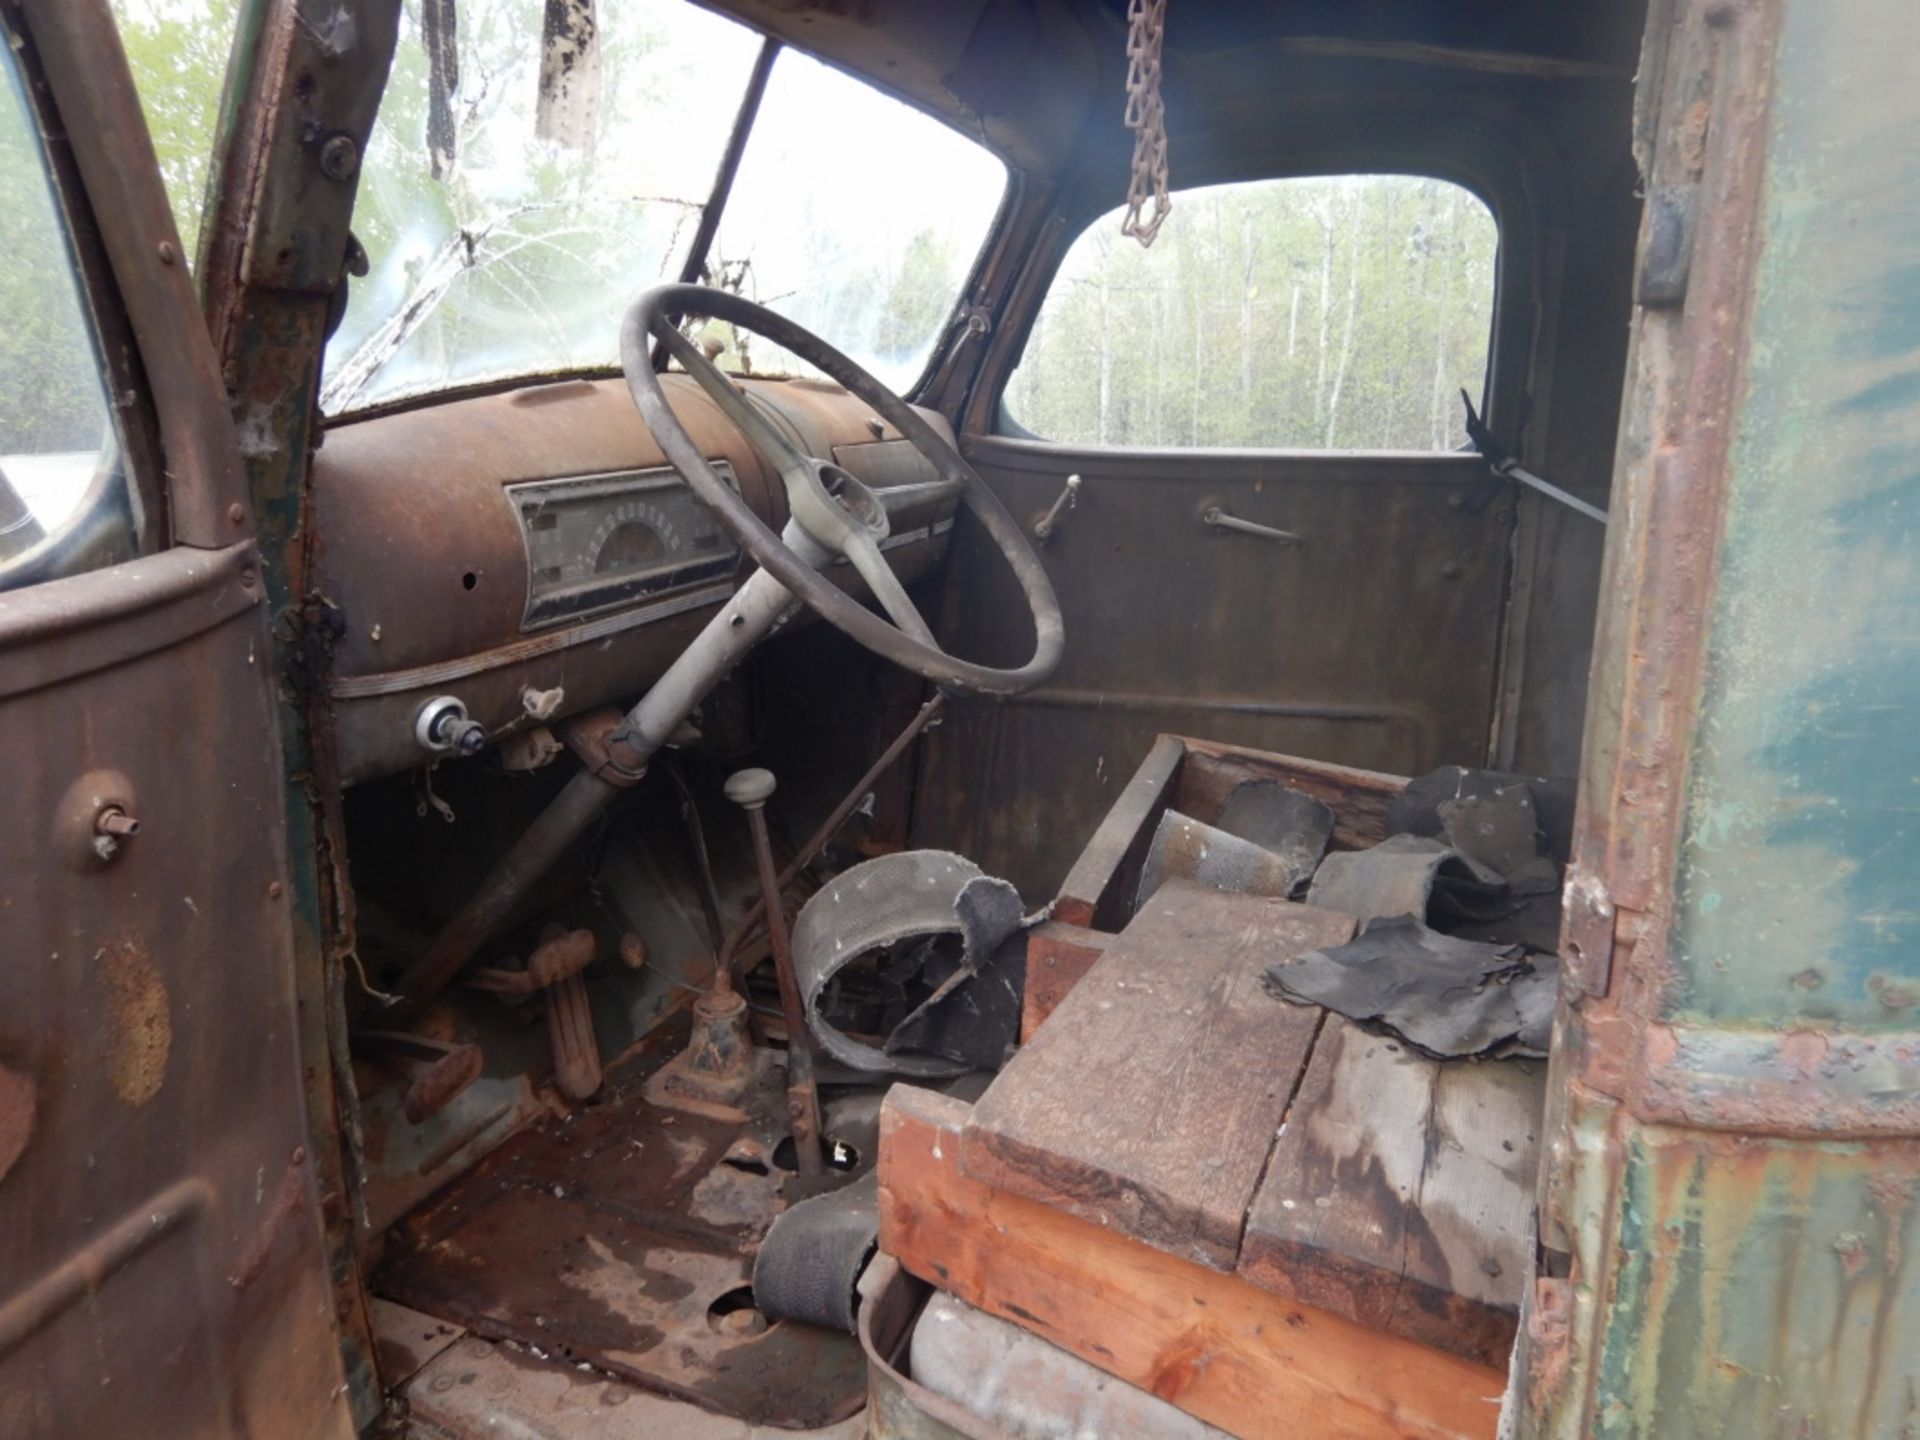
x: 622, y: 1238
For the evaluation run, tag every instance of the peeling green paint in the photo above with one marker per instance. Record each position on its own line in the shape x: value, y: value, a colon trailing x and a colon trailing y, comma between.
x: 1762, y: 1288
x: 1800, y: 881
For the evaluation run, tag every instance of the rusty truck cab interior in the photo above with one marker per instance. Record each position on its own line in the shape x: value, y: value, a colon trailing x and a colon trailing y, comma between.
x: 1228, y: 495
x: 1058, y: 625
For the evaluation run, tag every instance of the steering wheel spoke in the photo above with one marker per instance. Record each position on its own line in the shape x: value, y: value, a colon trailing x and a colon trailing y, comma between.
x: 761, y: 433
x: 896, y: 498
x: 865, y: 554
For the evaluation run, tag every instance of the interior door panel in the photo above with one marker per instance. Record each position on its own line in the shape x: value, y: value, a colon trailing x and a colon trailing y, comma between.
x: 160, y: 1264
x: 1371, y: 642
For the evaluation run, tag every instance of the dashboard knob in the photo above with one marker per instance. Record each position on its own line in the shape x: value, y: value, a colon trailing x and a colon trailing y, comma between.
x: 443, y: 726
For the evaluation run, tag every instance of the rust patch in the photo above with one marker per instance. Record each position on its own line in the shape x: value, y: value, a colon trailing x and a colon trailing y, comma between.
x: 17, y: 1107
x: 259, y: 1251
x: 1549, y: 1343
x: 139, y: 1022
x: 1803, y: 1052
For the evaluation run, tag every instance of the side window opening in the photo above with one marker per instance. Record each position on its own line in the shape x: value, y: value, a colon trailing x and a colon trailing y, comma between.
x: 65, y: 506
x: 1336, y: 313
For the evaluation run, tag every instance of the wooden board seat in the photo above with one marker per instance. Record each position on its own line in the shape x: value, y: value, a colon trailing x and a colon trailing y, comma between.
x: 1172, y: 1099
x: 1150, y: 1100
x: 1253, y: 1363
x: 1401, y: 1190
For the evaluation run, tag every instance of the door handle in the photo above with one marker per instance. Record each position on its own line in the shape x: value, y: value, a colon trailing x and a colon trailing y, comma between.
x: 1221, y: 518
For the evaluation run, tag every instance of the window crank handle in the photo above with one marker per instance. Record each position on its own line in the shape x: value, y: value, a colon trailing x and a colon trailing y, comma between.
x: 1044, y: 527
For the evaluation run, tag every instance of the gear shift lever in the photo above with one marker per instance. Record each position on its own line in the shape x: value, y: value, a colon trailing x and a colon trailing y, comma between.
x: 750, y: 790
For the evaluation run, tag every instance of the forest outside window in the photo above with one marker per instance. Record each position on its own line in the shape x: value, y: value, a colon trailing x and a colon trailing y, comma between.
x: 1335, y: 313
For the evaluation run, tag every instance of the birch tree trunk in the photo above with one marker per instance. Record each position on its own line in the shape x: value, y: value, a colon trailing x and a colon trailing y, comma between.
x: 1246, y: 310
x: 1437, y: 415
x: 1325, y: 215
x: 1104, y: 427
x: 1346, y: 349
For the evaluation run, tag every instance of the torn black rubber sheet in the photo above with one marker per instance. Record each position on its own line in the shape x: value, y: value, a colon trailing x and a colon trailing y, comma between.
x: 1409, y: 875
x: 1447, y: 998
x: 1416, y: 809
x: 1277, y: 817
x: 1497, y: 831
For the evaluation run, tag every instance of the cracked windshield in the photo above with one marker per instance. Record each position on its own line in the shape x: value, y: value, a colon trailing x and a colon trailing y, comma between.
x: 521, y: 188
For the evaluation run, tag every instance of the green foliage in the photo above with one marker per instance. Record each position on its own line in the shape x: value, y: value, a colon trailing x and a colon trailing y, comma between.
x: 520, y: 258
x: 921, y: 296
x: 177, y: 50
x: 1342, y: 313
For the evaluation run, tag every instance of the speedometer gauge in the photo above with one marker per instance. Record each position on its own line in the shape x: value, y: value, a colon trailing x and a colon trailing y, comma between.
x: 595, y: 542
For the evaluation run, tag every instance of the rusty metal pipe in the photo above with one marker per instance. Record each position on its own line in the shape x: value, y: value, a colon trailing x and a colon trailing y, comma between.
x: 759, y: 605
x: 817, y: 842
x: 750, y: 790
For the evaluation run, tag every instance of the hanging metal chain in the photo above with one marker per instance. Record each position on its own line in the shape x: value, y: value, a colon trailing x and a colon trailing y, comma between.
x: 1147, y: 118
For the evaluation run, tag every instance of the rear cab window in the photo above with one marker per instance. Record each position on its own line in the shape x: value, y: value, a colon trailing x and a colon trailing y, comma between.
x: 1337, y: 313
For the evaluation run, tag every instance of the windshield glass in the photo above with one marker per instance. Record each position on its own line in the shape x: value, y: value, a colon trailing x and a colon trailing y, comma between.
x: 512, y: 207
x: 855, y: 215
x: 508, y: 223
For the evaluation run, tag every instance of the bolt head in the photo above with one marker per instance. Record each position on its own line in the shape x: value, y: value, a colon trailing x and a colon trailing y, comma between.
x: 339, y: 158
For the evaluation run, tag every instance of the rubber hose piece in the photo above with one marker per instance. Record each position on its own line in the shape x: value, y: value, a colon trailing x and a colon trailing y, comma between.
x: 814, y: 1253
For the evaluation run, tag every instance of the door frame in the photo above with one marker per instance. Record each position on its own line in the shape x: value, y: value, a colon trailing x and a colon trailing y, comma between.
x: 241, y: 1210
x: 298, y: 111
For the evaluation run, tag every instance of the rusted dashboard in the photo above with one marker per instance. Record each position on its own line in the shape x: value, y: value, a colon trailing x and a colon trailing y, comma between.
x: 501, y: 547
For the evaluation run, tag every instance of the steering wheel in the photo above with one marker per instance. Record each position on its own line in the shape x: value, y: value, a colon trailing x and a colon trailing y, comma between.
x: 833, y: 513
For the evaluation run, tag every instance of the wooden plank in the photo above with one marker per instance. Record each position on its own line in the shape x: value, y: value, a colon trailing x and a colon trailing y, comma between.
x: 1099, y: 889
x: 1359, y: 799
x: 1057, y: 956
x: 1235, y: 1356
x: 1400, y: 1191
x: 1150, y: 1101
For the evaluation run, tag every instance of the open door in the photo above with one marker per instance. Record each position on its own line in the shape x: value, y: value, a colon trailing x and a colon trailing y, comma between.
x: 161, y: 1266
